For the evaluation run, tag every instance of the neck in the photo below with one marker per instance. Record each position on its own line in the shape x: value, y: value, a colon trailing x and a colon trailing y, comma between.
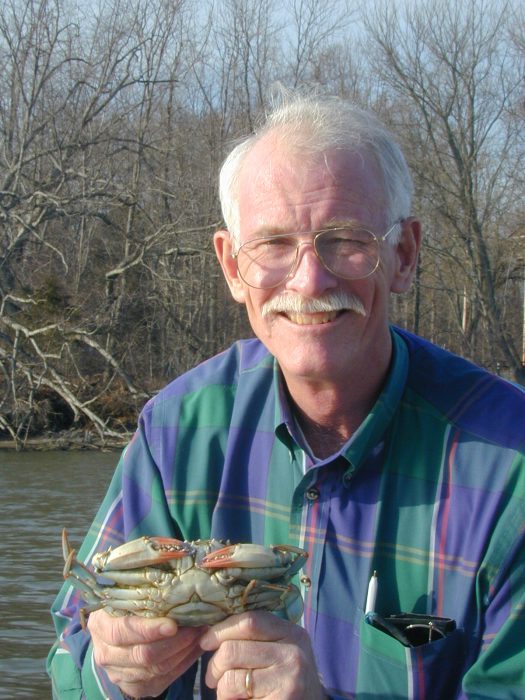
x: 324, y: 439
x: 326, y: 424
x: 330, y: 413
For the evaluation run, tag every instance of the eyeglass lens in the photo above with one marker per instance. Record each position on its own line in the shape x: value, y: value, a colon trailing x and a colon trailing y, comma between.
x: 348, y: 253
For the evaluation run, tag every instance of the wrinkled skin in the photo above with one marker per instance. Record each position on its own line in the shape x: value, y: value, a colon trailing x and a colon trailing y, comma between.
x: 278, y: 651
x: 143, y: 656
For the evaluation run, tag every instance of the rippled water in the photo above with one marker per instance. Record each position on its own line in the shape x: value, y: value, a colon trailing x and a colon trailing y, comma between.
x: 40, y: 493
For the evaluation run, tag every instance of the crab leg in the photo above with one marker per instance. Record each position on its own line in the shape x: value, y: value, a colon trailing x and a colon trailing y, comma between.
x: 74, y: 569
x: 259, y: 594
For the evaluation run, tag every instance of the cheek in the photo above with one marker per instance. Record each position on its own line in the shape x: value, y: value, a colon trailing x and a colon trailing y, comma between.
x: 254, y: 300
x: 374, y: 294
x: 267, y: 329
x: 252, y: 297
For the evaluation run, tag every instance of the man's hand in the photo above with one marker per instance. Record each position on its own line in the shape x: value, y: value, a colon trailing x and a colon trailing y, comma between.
x: 143, y: 656
x: 277, y: 652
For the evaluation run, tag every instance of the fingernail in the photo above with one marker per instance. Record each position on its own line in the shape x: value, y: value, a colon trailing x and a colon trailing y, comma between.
x: 206, y: 643
x: 168, y: 628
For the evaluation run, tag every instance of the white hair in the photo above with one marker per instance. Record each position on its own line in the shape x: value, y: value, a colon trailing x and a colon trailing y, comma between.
x: 313, y: 124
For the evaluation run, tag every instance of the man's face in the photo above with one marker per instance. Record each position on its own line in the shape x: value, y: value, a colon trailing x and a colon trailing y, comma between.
x: 281, y: 193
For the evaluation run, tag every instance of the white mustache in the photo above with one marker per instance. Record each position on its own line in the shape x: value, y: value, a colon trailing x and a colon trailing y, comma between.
x: 295, y: 304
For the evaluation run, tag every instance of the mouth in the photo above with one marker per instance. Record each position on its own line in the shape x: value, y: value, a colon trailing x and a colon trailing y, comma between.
x: 307, y: 311
x: 312, y: 319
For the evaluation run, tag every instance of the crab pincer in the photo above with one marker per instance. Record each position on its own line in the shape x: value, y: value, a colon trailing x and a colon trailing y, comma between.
x: 144, y: 551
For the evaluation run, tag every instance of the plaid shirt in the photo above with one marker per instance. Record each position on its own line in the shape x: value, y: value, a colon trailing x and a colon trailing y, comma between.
x: 429, y: 492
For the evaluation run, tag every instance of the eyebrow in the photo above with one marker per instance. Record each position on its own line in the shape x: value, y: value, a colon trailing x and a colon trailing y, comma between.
x: 266, y: 231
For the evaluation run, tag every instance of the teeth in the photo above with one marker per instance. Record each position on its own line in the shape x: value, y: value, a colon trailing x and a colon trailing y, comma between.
x: 312, y: 319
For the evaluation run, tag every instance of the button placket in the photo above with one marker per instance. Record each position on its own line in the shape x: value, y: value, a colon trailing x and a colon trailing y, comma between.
x: 316, y: 516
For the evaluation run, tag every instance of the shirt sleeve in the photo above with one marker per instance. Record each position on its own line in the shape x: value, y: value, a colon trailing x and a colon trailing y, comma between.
x: 499, y: 669
x: 135, y: 504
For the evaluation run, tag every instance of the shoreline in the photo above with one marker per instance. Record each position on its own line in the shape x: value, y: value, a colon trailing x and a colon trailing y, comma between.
x: 67, y: 440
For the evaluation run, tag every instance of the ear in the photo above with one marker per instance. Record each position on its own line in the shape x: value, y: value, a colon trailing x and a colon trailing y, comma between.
x: 224, y: 249
x: 406, y: 252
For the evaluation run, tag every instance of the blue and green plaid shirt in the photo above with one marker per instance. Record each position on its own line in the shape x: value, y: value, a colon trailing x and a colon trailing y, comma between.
x: 429, y: 492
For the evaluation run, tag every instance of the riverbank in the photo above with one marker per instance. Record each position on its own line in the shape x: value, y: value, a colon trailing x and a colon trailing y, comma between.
x: 66, y: 440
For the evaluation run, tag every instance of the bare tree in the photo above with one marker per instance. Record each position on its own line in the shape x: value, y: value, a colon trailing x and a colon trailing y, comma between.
x: 114, y: 121
x: 312, y: 27
x: 453, y: 91
x: 80, y: 141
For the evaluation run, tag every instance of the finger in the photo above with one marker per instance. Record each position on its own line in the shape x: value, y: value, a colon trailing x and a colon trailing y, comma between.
x: 142, y: 689
x: 129, y: 629
x: 261, y: 626
x: 242, y: 683
x: 171, y: 667
x: 231, y: 658
x: 275, y: 682
x: 160, y: 653
x: 277, y: 650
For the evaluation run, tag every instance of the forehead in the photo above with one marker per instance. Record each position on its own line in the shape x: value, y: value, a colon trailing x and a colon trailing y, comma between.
x: 282, y: 189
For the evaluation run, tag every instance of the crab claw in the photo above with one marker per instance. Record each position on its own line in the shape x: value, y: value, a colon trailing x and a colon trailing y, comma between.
x: 144, y: 551
x: 258, y: 559
x: 247, y: 556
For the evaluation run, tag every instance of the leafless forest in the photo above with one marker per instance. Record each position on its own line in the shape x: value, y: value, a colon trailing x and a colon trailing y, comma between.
x: 115, y: 116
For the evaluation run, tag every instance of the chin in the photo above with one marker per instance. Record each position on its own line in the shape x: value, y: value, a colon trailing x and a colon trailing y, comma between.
x: 312, y: 367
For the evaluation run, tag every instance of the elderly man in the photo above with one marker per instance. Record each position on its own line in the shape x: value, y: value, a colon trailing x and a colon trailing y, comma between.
x: 333, y: 431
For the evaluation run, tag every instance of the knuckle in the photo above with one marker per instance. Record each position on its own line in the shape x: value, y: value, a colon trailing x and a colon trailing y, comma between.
x: 100, y: 654
x: 127, y: 675
x: 95, y: 622
x: 300, y: 641
x: 142, y: 655
x: 299, y: 634
x: 106, y: 628
x: 227, y: 685
x: 225, y: 654
x: 115, y: 676
x: 162, y: 668
x: 301, y: 659
x: 249, y: 624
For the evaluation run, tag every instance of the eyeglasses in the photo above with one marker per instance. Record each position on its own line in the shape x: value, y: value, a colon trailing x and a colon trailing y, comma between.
x: 350, y: 253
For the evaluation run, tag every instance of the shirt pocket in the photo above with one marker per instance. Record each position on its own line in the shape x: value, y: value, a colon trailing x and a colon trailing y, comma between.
x: 387, y: 669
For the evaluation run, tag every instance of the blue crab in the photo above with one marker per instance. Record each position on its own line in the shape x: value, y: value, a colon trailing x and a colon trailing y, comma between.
x: 195, y: 583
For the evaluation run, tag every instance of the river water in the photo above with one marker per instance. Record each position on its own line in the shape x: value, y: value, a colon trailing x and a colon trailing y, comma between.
x: 40, y: 493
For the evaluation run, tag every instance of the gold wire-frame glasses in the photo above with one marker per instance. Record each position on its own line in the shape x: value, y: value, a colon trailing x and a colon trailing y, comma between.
x: 350, y: 252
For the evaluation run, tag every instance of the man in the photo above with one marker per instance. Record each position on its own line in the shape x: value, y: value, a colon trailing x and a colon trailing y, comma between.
x: 367, y: 446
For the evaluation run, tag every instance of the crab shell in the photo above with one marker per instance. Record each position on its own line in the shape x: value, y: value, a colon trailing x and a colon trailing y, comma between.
x: 195, y: 583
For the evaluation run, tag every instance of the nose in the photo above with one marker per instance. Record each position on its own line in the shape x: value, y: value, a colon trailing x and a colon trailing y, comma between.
x: 309, y: 276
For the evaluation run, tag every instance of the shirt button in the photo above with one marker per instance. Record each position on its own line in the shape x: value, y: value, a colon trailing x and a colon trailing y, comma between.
x: 306, y: 581
x: 347, y: 479
x: 312, y: 494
